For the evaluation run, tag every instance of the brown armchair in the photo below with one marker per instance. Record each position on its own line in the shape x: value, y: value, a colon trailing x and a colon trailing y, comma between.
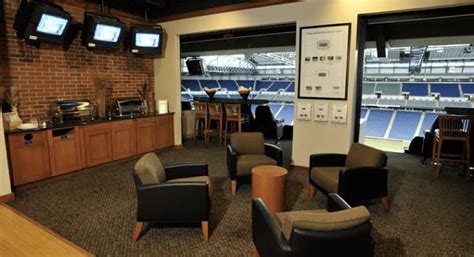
x: 248, y: 150
x: 175, y: 193
x: 359, y: 175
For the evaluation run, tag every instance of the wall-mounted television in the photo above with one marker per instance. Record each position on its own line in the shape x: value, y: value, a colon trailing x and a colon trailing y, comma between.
x: 42, y: 22
x: 102, y: 32
x: 146, y: 39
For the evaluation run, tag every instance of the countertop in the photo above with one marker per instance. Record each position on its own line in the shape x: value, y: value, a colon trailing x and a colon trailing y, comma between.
x: 82, y: 123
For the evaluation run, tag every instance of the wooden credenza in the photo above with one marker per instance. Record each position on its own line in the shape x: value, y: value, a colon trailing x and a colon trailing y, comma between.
x: 36, y: 155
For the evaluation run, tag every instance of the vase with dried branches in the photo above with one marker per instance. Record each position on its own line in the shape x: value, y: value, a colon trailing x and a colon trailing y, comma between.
x: 11, y: 97
x: 148, y: 103
x: 101, y: 88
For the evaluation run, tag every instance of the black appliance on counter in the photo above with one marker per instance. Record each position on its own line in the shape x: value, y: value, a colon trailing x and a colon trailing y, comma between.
x: 127, y: 107
x: 71, y: 111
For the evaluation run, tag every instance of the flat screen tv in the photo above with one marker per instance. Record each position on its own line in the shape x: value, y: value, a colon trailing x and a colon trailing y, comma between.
x: 146, y: 40
x: 102, y: 32
x: 42, y: 23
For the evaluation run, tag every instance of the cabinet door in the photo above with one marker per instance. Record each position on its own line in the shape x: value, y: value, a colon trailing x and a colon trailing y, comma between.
x: 124, y: 139
x: 64, y: 150
x: 146, y: 135
x: 164, y: 136
x: 98, y: 144
x: 29, y: 158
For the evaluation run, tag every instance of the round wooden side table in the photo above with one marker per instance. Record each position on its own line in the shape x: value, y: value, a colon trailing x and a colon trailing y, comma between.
x: 268, y: 183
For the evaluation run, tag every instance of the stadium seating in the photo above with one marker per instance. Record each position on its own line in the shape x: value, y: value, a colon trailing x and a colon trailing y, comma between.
x: 421, y: 104
x: 209, y: 83
x: 445, y: 89
x: 460, y: 104
x: 277, y: 85
x: 415, y: 89
x: 405, y: 124
x: 388, y: 88
x: 262, y: 84
x: 368, y: 88
x: 428, y: 121
x: 363, y: 113
x: 286, y: 113
x: 291, y: 88
x: 369, y: 101
x: 230, y: 85
x: 377, y: 123
x: 467, y: 88
x: 245, y: 83
x: 391, y: 102
x: 192, y: 85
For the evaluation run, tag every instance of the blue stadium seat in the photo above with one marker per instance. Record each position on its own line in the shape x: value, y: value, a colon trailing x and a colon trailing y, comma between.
x: 245, y: 83
x: 467, y: 88
x: 262, y: 84
x: 404, y: 125
x: 368, y: 88
x: 274, y: 108
x: 287, y: 114
x: 231, y: 85
x: 209, y: 83
x: 416, y: 89
x: 278, y: 85
x: 445, y: 89
x: 363, y: 113
x: 192, y: 85
x: 428, y: 121
x: 186, y: 97
x: 377, y: 122
x: 291, y: 88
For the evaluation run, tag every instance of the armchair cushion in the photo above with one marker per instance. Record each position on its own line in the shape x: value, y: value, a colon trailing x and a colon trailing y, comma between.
x: 150, y: 170
x: 322, y: 220
x: 327, y: 177
x: 280, y: 217
x: 193, y: 179
x: 248, y: 143
x: 246, y: 162
x: 364, y: 156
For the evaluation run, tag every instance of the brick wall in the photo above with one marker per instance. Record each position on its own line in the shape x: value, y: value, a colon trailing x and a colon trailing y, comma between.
x: 47, y: 73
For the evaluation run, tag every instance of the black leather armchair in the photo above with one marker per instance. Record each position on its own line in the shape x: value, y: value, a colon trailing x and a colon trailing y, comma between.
x: 176, y: 193
x: 266, y: 123
x: 359, y: 175
x: 248, y: 150
x: 309, y: 233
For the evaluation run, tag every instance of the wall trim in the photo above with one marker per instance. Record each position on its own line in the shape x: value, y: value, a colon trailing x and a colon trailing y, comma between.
x: 7, y: 198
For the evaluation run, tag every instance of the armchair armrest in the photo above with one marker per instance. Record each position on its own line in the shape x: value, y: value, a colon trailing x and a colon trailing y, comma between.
x: 184, y: 170
x: 189, y: 202
x: 327, y: 160
x: 232, y: 162
x: 266, y: 233
x: 336, y: 203
x: 360, y: 183
x: 274, y: 152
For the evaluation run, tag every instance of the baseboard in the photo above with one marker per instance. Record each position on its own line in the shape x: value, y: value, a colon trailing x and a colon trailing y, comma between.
x: 178, y: 147
x: 7, y: 198
x: 299, y: 169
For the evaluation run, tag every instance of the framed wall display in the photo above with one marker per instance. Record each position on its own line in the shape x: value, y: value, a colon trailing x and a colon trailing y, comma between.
x: 324, y: 61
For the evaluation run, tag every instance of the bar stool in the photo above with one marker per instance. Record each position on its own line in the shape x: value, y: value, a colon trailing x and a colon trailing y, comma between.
x: 456, y: 129
x: 216, y: 114
x: 234, y: 116
x: 201, y: 116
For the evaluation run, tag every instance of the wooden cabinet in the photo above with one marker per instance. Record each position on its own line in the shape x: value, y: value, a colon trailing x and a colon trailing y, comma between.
x: 64, y: 150
x: 165, y: 132
x: 124, y: 139
x: 29, y: 157
x: 146, y: 135
x: 97, y: 141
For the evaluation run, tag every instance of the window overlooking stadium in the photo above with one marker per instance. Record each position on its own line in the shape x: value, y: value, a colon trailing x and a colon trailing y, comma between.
x: 270, y: 76
x: 404, y: 92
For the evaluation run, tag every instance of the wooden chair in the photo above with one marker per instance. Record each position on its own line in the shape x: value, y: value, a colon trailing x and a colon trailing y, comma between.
x: 455, y: 129
x: 234, y: 118
x: 202, y: 115
x: 216, y: 114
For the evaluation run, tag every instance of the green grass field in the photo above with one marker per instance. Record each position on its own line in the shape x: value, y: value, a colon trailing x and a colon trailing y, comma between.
x: 387, y: 145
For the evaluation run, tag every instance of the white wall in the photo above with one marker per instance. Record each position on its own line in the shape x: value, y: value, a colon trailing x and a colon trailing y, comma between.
x: 4, y: 173
x: 308, y: 137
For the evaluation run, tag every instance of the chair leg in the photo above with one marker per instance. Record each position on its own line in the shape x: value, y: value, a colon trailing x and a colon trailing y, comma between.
x: 312, y: 191
x: 137, y: 230
x: 468, y: 160
x: 255, y: 251
x: 225, y: 131
x: 438, y: 158
x: 220, y: 131
x: 205, y: 230
x: 385, y: 203
x: 233, y: 186
x: 196, y: 125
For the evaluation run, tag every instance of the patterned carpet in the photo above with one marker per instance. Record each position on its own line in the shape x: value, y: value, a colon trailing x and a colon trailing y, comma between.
x: 95, y: 208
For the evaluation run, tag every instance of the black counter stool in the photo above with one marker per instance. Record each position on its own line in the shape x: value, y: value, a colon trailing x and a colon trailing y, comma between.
x: 235, y: 117
x: 201, y: 117
x: 455, y: 129
x: 216, y: 114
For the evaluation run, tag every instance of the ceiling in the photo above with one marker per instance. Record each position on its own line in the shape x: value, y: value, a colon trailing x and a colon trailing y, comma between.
x: 158, y: 9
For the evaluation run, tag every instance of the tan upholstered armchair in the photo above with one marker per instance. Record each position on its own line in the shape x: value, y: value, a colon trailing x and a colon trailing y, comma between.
x: 359, y: 175
x: 338, y: 231
x: 248, y: 150
x: 175, y: 193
